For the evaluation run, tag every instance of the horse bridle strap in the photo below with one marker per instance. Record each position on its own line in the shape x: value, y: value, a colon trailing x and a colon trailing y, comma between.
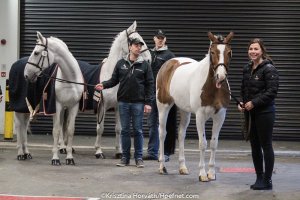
x: 128, y: 41
x: 42, y: 58
x: 219, y: 64
x: 216, y: 66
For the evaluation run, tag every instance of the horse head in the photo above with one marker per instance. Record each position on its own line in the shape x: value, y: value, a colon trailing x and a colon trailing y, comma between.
x: 40, y: 59
x: 220, y: 55
x: 131, y: 33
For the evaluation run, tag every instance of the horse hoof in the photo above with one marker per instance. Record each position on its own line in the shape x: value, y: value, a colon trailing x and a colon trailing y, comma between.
x: 118, y: 155
x: 184, y: 171
x: 27, y: 156
x: 56, y: 162
x: 203, y: 179
x: 163, y: 171
x: 212, y: 177
x: 100, y: 155
x: 63, y: 151
x: 20, y: 157
x: 70, y: 161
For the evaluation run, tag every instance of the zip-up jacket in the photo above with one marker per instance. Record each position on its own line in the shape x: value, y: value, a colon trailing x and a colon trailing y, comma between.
x: 136, y: 81
x: 260, y: 85
x: 159, y: 57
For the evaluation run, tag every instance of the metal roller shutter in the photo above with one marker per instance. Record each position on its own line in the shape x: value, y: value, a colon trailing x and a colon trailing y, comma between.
x: 89, y: 27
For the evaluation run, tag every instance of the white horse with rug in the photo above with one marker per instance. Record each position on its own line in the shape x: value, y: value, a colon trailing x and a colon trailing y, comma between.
x: 46, y: 52
x: 200, y: 88
x: 118, y: 50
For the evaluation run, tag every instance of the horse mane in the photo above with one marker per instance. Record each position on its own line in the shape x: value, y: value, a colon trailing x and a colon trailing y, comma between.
x: 116, y: 44
x: 220, y: 39
x: 60, y: 41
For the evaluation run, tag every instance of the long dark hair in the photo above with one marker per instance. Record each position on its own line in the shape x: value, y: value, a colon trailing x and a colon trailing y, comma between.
x: 265, y: 55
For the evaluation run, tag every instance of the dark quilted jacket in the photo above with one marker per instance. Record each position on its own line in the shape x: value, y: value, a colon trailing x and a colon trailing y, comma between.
x: 260, y: 85
x: 159, y: 57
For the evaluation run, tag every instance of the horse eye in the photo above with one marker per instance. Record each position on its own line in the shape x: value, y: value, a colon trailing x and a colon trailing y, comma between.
x: 36, y: 53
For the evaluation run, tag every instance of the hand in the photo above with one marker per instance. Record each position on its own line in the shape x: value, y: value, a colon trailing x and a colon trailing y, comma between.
x: 249, y: 105
x: 147, y: 109
x: 241, y: 107
x: 99, y: 86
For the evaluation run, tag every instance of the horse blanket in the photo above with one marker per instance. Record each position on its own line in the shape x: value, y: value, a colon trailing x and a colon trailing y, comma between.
x: 43, y: 91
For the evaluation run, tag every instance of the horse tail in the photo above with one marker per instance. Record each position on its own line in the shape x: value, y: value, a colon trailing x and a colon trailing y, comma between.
x: 65, y: 125
x: 170, y: 141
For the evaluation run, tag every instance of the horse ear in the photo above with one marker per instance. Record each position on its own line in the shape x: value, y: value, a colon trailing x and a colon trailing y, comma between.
x: 39, y: 36
x: 211, y: 37
x: 229, y: 37
x: 132, y: 28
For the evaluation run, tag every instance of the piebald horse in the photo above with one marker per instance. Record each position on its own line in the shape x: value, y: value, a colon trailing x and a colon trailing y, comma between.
x: 46, y: 52
x: 200, y: 88
x: 118, y: 50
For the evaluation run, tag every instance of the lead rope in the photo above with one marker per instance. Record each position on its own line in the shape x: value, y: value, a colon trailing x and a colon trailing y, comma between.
x: 100, y: 104
x: 245, y: 123
x: 100, y: 108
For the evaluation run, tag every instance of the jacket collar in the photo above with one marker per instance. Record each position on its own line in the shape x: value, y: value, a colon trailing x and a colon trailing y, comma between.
x: 161, y: 49
x: 140, y: 59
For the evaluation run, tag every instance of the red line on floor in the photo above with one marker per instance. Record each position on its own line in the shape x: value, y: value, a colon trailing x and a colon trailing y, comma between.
x: 237, y: 170
x: 19, y: 197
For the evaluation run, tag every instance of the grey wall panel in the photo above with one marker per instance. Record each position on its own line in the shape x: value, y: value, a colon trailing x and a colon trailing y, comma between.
x: 89, y: 27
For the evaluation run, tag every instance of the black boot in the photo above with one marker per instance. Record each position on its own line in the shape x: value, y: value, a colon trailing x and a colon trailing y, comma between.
x: 266, y: 184
x: 259, y: 180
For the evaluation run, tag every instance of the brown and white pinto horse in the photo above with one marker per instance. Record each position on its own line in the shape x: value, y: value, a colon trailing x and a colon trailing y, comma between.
x: 200, y: 88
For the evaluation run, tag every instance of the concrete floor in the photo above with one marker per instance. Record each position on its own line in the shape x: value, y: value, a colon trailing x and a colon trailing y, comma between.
x: 101, y: 179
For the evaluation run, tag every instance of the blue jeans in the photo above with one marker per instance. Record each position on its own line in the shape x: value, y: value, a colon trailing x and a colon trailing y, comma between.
x: 153, y: 144
x: 132, y: 113
x: 171, y: 127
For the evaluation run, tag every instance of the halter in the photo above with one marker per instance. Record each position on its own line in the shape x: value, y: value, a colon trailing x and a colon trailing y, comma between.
x: 42, y: 58
x: 215, y: 67
x: 128, y: 41
x: 128, y: 38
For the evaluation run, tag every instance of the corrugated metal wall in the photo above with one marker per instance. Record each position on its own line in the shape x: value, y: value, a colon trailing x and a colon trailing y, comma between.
x: 89, y: 27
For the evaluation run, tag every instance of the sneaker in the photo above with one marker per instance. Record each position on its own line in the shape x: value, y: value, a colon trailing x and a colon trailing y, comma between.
x: 124, y: 162
x: 149, y: 157
x: 139, y: 163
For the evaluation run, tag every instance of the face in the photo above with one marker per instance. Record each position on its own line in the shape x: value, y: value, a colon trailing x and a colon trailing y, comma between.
x: 145, y: 54
x: 135, y: 49
x: 255, y: 52
x: 159, y: 41
x: 36, y: 63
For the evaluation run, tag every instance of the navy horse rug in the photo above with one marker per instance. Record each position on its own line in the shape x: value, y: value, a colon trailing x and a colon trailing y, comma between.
x: 24, y: 94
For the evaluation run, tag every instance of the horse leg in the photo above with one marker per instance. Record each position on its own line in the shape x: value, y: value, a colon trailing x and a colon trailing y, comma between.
x: 26, y: 121
x: 69, y: 128
x: 118, y: 143
x: 21, y: 124
x: 163, y: 111
x: 200, y: 122
x: 218, y: 121
x: 57, y: 129
x: 100, y: 130
x: 62, y: 143
x: 184, y: 122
